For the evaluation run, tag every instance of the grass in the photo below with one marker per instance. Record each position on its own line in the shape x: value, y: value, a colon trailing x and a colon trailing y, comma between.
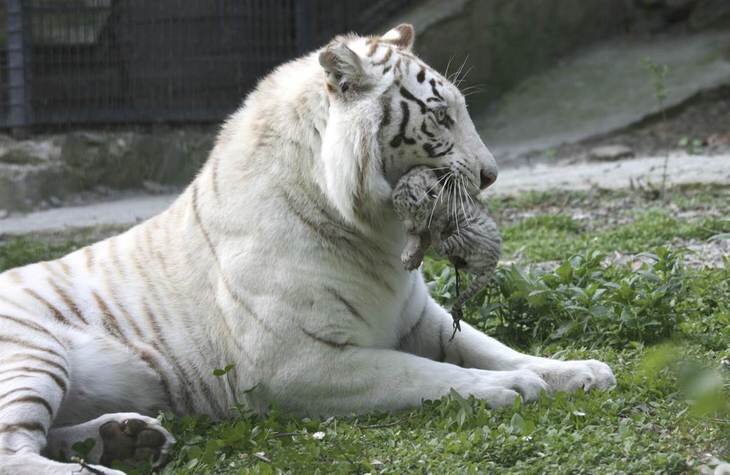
x: 542, y: 238
x: 664, y: 329
x: 16, y: 251
x: 542, y: 226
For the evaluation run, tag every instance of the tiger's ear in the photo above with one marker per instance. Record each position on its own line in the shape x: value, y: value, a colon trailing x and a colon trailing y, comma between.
x: 402, y: 36
x: 343, y: 68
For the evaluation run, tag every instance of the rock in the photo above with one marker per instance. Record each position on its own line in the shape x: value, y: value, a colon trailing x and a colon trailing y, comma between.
x: 127, y: 159
x: 718, y: 140
x: 154, y: 187
x: 4, y: 213
x: 103, y: 190
x: 610, y: 153
x: 28, y: 152
x: 23, y: 187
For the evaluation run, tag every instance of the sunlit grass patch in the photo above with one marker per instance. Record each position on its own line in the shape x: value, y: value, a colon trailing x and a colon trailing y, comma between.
x: 18, y: 251
x: 552, y: 237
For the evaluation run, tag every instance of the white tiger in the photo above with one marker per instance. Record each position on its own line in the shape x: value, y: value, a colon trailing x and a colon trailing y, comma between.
x: 281, y: 258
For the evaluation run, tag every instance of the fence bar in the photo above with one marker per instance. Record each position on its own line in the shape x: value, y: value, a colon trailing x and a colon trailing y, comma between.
x: 18, y: 50
x: 303, y: 25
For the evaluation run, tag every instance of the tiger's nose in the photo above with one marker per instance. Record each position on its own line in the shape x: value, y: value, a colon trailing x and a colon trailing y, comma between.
x: 487, y: 178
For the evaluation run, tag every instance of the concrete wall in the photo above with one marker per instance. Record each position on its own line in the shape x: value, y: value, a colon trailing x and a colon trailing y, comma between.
x: 508, y: 40
x: 46, y: 170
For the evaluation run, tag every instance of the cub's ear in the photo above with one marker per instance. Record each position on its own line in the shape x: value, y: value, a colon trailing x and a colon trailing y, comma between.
x: 402, y: 36
x: 342, y: 67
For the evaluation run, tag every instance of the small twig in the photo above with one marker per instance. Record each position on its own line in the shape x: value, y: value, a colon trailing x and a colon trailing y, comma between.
x: 384, y: 425
x: 380, y: 426
x: 85, y: 465
x: 454, y: 315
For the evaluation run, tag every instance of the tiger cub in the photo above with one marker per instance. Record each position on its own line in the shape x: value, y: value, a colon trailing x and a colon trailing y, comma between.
x: 463, y: 232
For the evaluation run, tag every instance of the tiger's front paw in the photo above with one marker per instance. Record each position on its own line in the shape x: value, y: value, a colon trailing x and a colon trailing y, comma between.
x: 573, y: 375
x: 499, y: 388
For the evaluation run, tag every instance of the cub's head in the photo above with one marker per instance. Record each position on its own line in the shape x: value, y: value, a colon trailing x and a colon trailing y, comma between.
x: 414, y: 196
x: 388, y: 112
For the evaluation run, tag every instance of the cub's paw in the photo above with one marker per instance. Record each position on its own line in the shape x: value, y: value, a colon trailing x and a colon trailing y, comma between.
x: 134, y: 440
x: 573, y: 375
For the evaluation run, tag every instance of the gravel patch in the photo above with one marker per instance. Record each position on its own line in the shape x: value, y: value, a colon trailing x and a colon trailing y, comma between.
x: 681, y: 169
x: 713, y: 253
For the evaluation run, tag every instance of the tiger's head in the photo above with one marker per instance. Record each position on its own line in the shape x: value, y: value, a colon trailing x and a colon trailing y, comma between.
x: 389, y: 112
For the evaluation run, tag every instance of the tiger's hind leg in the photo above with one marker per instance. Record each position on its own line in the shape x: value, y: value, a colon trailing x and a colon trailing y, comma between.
x: 108, y: 380
x: 129, y: 438
x: 34, y: 379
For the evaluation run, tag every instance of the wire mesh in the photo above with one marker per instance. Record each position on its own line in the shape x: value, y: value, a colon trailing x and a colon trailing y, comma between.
x: 65, y: 62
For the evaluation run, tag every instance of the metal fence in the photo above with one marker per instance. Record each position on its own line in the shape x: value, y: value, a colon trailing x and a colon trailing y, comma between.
x: 66, y: 62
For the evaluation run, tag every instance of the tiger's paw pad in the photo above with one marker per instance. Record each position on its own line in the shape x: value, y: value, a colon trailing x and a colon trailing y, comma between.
x: 135, y: 442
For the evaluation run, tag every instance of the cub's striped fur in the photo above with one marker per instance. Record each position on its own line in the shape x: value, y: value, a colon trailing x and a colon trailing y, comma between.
x: 282, y: 258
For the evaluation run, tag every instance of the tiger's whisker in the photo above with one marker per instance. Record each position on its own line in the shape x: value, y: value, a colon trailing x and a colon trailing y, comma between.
x: 453, y: 206
x: 436, y: 201
x: 455, y: 76
x: 446, y: 73
x: 461, y: 68
x: 463, y: 78
x: 462, y: 193
x: 432, y: 187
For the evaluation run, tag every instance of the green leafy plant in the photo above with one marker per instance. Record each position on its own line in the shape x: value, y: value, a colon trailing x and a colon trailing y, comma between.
x: 226, y: 372
x: 693, y: 146
x: 84, y: 448
x: 581, y: 298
